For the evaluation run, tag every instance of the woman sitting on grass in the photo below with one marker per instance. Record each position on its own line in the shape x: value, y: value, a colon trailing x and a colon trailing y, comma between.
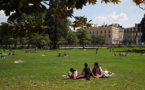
x: 73, y: 74
x: 64, y: 55
x: 87, y: 72
x: 59, y: 55
x: 97, y: 70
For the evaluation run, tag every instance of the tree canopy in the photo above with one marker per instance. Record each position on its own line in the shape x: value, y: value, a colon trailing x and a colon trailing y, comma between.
x: 62, y: 9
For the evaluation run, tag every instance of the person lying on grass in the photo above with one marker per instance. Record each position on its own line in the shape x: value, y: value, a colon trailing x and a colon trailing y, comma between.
x: 43, y: 54
x: 73, y: 74
x: 87, y: 72
x: 2, y: 57
x: 19, y: 61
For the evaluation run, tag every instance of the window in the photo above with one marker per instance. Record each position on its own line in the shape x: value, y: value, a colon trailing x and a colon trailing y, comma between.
x: 109, y: 36
x: 93, y: 32
x: 101, y: 31
x: 90, y: 32
x: 104, y: 31
x: 109, y: 31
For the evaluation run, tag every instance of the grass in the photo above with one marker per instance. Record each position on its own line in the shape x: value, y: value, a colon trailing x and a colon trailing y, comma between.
x: 45, y: 72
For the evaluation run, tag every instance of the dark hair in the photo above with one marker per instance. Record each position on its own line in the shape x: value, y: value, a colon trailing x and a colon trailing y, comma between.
x: 71, y: 69
x: 96, y: 64
x: 86, y: 65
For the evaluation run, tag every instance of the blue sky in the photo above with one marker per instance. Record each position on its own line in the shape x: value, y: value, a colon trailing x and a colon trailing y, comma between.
x: 126, y: 13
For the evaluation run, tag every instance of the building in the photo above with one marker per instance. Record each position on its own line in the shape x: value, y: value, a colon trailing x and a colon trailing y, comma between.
x: 133, y: 35
x: 114, y: 33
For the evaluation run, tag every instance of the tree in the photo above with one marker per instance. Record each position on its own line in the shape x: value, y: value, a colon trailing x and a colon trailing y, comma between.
x: 142, y: 27
x: 62, y: 41
x: 56, y: 29
x: 72, y: 38
x: 93, y: 39
x: 8, y: 40
x: 27, y: 24
x: 83, y: 38
x: 24, y: 41
x: 43, y: 40
x: 16, y: 41
x: 100, y: 40
x: 62, y: 10
x: 40, y: 40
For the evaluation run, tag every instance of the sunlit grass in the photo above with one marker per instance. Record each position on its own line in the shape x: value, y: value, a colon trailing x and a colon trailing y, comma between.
x: 45, y: 72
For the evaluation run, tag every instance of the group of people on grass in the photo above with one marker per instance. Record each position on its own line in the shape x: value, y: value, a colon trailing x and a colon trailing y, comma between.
x: 35, y: 51
x: 121, y: 54
x: 87, y: 73
x: 12, y: 53
x: 63, y: 55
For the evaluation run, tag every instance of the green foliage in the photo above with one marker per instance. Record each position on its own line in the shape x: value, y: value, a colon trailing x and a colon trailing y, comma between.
x: 142, y: 28
x: 84, y: 39
x: 100, y: 40
x: 72, y: 38
x: 93, y: 39
x: 56, y: 29
x: 62, y: 41
x: 39, y: 40
x: 61, y: 8
x: 26, y: 24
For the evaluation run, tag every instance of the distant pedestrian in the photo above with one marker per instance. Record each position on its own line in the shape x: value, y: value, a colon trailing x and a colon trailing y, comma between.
x: 96, y: 50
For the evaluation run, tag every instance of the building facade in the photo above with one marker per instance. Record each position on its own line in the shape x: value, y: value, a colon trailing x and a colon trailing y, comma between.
x: 133, y: 35
x: 114, y: 33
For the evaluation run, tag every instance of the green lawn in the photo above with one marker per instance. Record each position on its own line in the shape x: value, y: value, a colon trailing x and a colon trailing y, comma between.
x: 45, y: 72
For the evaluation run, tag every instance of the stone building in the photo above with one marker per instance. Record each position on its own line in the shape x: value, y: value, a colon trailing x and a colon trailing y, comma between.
x: 133, y: 35
x: 114, y: 33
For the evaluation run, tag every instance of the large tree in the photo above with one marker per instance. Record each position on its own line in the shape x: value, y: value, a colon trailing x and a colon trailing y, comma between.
x: 142, y: 27
x: 62, y: 10
x: 84, y: 39
x: 56, y: 29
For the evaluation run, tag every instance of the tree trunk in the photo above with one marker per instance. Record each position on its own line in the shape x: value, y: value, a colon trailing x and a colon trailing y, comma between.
x: 15, y: 45
x: 83, y: 46
x: 55, y: 36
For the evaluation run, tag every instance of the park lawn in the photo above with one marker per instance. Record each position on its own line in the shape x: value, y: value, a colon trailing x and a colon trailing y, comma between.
x: 45, y: 72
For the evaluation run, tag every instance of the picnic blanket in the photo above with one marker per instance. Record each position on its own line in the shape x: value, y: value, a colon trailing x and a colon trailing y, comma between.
x: 106, y: 74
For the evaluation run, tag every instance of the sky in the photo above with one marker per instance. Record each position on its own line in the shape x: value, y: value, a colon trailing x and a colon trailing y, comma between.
x: 127, y: 13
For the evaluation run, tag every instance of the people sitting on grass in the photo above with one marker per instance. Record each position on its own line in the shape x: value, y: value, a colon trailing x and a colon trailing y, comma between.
x: 64, y: 55
x: 10, y: 53
x: 35, y: 51
x: 87, y: 72
x: 13, y: 53
x: 97, y: 70
x: 59, y: 55
x: 2, y: 57
x: 109, y: 51
x: 19, y: 61
x: 121, y: 54
x: 73, y: 74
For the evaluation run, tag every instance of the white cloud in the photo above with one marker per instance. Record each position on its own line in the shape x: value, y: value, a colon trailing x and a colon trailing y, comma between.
x: 112, y: 18
x: 100, y: 18
x: 117, y: 18
x: 3, y: 18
